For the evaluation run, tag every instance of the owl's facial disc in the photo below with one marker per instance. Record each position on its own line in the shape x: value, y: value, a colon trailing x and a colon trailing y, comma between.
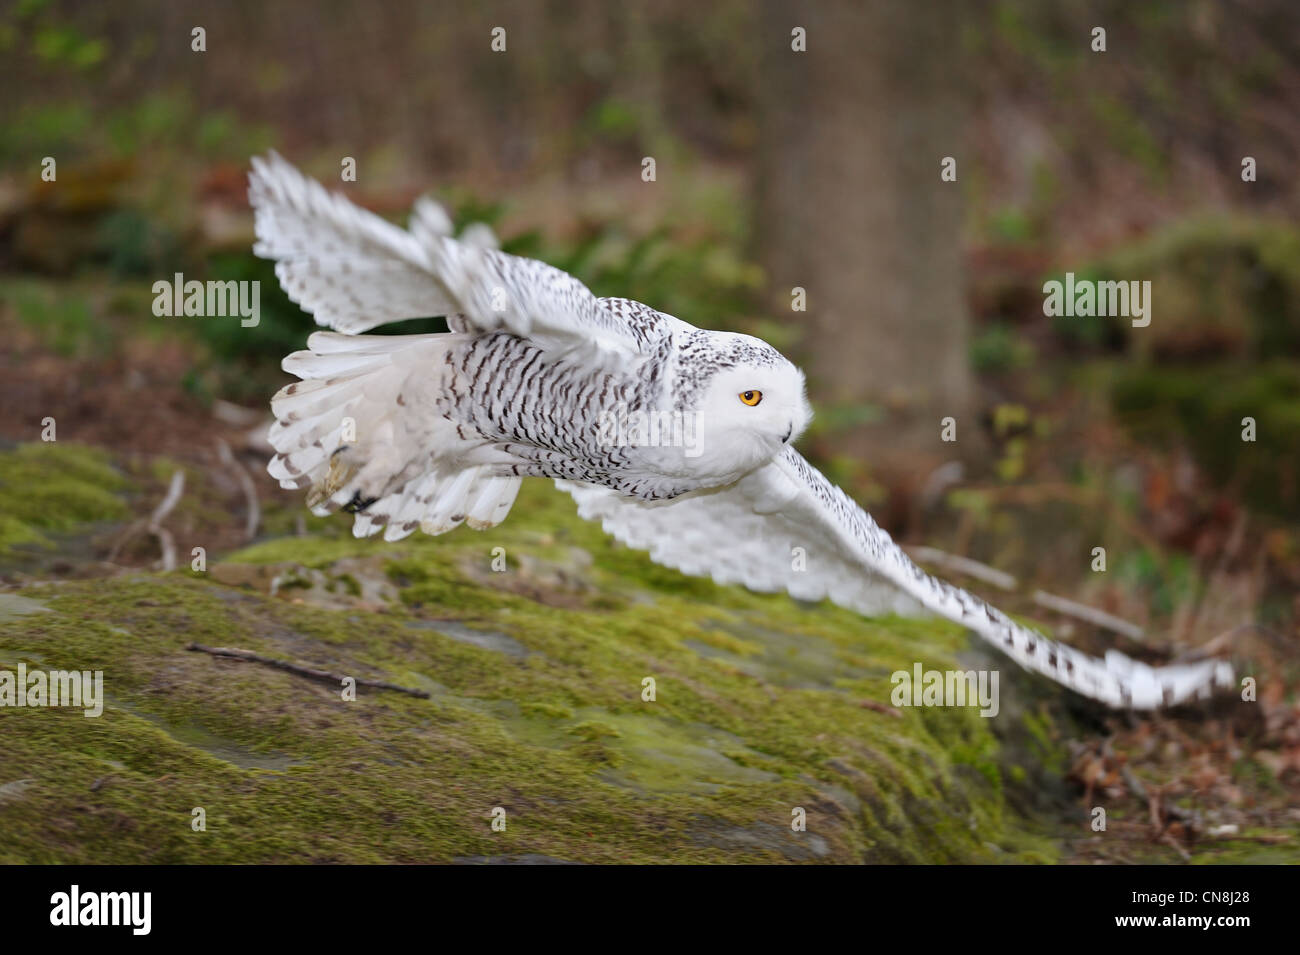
x: 750, y: 411
x: 768, y: 403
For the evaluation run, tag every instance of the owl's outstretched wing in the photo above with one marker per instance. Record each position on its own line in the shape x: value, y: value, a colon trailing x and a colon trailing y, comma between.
x: 748, y: 533
x: 355, y: 271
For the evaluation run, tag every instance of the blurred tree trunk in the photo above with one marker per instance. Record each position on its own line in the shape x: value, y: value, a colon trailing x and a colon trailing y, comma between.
x: 851, y: 208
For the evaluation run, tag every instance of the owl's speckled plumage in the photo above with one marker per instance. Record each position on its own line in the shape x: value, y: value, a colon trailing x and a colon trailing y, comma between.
x: 431, y: 431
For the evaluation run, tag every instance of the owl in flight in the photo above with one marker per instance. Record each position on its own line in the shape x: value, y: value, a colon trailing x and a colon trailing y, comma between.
x: 537, y: 377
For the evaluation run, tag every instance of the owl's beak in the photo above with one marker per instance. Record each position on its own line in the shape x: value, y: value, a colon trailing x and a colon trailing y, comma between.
x: 788, y: 431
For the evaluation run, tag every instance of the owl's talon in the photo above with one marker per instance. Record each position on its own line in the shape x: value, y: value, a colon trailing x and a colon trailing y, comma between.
x: 341, y: 471
x: 358, y: 503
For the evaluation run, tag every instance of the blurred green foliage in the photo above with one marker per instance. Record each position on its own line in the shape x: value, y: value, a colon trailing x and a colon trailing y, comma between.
x: 156, y: 127
x: 66, y: 46
x: 997, y: 349
x: 133, y: 245
x: 1204, y: 409
x: 64, y: 319
x: 1224, y: 286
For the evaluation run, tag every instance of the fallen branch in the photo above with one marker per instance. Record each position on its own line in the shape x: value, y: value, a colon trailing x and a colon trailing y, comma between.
x: 246, y: 485
x: 153, y: 525
x: 1092, y: 615
x: 880, y: 708
x: 964, y: 565
x: 1224, y: 641
x: 166, y: 544
x: 170, y: 499
x: 991, y: 575
x: 1168, y: 839
x: 1158, y: 805
x: 310, y: 673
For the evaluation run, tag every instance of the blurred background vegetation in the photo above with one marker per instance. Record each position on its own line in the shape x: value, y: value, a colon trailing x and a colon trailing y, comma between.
x: 1073, y: 433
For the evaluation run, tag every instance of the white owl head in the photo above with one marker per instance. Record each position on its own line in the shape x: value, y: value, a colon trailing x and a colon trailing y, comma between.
x: 748, y: 402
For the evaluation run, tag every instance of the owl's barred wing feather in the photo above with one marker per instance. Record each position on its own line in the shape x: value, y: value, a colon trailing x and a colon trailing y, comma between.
x: 355, y: 271
x: 495, y: 291
x: 748, y: 533
x: 348, y: 267
x: 743, y: 534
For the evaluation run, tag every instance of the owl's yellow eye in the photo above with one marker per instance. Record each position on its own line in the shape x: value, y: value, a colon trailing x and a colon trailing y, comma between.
x: 751, y: 398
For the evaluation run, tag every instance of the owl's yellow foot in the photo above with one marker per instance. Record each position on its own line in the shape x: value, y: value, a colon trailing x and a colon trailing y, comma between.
x: 341, y: 471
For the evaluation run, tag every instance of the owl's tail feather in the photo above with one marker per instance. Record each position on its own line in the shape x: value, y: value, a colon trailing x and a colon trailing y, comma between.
x: 361, y: 431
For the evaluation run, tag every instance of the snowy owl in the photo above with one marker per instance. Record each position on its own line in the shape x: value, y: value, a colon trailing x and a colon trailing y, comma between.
x: 680, y: 441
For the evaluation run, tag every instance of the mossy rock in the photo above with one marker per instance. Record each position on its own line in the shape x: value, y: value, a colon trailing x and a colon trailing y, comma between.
x: 51, y: 490
x: 536, y: 704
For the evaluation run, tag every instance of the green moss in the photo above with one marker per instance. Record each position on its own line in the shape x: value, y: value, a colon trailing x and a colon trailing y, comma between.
x: 53, y: 488
x: 547, y: 710
x: 593, y: 730
x: 1046, y: 745
x: 756, y: 710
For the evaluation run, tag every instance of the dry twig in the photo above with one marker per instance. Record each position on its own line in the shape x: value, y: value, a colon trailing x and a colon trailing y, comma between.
x: 1098, y: 618
x: 153, y: 524
x: 311, y: 673
x: 254, y: 509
